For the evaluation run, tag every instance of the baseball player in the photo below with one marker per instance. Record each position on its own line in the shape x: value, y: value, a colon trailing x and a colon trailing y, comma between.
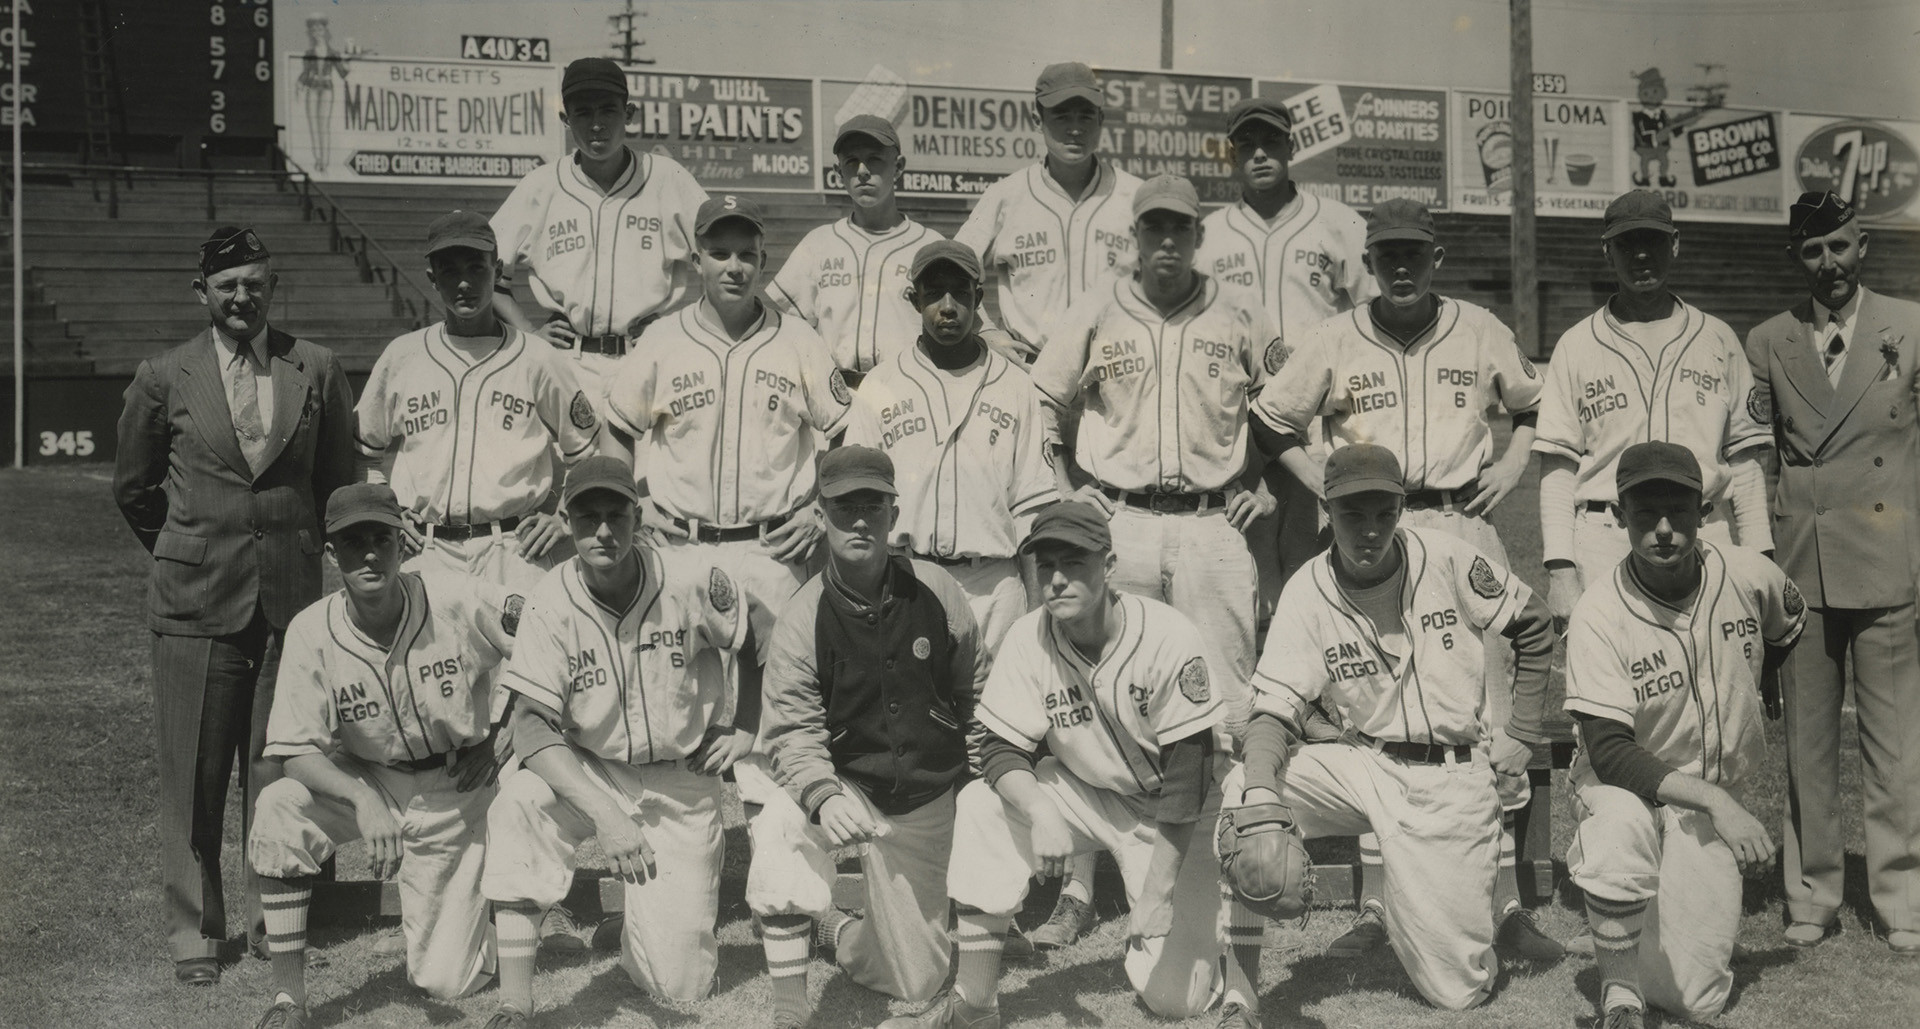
x: 963, y: 425
x: 469, y: 412
x: 1421, y: 375
x: 870, y: 686
x: 1663, y: 661
x: 622, y: 738
x: 1116, y: 687
x: 1387, y: 635
x: 384, y: 720
x: 1061, y: 229
x: 605, y: 234
x: 1648, y: 365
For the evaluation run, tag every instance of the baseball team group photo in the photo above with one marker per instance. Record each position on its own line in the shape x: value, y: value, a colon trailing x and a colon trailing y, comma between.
x: 918, y: 522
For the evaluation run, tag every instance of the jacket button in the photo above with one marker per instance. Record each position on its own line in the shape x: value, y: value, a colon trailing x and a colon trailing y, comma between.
x: 893, y: 708
x: 889, y: 664
x: 1789, y: 425
x: 1819, y: 510
x: 259, y: 534
x: 1879, y: 507
x: 873, y: 619
x: 1878, y: 461
x: 900, y: 751
x: 1817, y: 462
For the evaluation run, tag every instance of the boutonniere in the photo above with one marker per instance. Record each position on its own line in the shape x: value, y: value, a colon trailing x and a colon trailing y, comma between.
x: 1890, y: 349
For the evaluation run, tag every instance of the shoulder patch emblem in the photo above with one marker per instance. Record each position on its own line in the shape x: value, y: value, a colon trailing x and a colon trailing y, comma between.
x: 1193, y: 681
x: 720, y: 592
x: 1526, y: 365
x: 1276, y: 356
x: 1760, y: 405
x: 581, y: 411
x: 837, y: 383
x: 1483, y: 581
x: 510, y: 614
x: 922, y: 648
x: 1794, y: 601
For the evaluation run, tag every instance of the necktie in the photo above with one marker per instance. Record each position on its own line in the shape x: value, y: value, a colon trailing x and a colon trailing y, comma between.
x: 1835, y: 349
x: 248, y: 429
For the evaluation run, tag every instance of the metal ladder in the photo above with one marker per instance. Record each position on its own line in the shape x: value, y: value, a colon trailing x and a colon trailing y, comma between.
x: 96, y: 77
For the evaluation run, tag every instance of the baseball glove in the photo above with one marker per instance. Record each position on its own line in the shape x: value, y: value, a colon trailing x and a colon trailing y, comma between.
x: 1264, y: 860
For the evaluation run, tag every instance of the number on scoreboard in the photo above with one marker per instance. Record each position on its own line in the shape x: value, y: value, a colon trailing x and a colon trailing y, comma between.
x: 519, y: 49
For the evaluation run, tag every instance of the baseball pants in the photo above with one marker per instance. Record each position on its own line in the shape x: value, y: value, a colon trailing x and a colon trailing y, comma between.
x: 592, y: 372
x: 995, y: 593
x: 900, y: 946
x: 1600, y: 544
x: 1627, y: 850
x: 1439, y: 830
x: 667, y: 944
x: 450, y: 946
x: 494, y: 558
x: 1178, y: 975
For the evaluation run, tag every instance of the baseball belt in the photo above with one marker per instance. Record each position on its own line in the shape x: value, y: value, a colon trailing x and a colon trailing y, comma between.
x: 1168, y: 503
x: 612, y: 344
x: 425, y: 764
x: 1427, y: 499
x: 728, y: 533
x: 1421, y: 753
x: 462, y: 533
x: 1596, y: 506
x: 956, y: 561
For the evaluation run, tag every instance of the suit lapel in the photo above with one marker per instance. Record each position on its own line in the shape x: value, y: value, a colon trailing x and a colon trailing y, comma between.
x: 1865, y: 363
x: 289, y: 393
x: 1805, y: 371
x: 207, y: 403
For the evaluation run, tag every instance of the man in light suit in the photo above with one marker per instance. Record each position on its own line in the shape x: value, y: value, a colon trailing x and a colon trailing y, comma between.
x: 1836, y: 375
x: 229, y: 446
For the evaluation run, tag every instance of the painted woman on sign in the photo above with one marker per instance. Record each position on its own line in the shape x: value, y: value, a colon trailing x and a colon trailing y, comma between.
x: 318, y: 66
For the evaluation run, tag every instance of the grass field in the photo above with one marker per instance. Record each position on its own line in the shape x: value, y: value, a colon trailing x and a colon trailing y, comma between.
x: 81, y: 942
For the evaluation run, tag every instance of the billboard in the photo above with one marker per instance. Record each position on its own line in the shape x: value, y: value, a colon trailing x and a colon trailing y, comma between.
x: 956, y: 140
x: 732, y: 131
x: 1577, y: 153
x: 1874, y: 165
x: 1365, y: 144
x: 1160, y: 123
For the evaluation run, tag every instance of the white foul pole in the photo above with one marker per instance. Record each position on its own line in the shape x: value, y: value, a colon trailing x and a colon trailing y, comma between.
x: 19, y: 281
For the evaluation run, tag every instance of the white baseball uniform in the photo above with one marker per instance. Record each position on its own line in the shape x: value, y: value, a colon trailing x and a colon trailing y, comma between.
x: 1104, y: 722
x: 850, y: 285
x: 603, y: 260
x: 1045, y: 250
x: 1685, y: 679
x: 971, y: 463
x: 475, y: 424
x: 1438, y: 819
x: 389, y: 716
x: 1304, y: 265
x: 636, y: 689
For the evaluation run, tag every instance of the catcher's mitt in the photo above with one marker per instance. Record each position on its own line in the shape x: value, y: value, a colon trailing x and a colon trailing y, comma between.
x: 1263, y: 859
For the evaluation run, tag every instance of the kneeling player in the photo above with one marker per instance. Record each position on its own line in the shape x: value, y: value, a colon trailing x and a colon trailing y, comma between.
x: 382, y: 717
x: 1386, y: 633
x: 1681, y: 630
x: 624, y: 725
x: 1115, y: 685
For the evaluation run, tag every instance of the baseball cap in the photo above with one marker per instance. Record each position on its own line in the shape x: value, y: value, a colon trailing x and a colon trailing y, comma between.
x: 1363, y: 468
x: 360, y: 503
x: 1166, y: 193
x: 460, y: 229
x: 231, y: 246
x: 1065, y: 81
x: 722, y: 206
x: 1260, y: 108
x: 872, y: 126
x: 951, y: 251
x: 600, y: 472
x: 1816, y: 214
x: 1399, y: 218
x: 592, y: 75
x: 1075, y: 523
x: 852, y: 468
x: 1657, y: 461
x: 1638, y: 209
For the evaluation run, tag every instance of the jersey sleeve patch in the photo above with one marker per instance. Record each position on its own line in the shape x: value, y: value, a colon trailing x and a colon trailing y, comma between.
x: 1276, y: 356
x: 1482, y: 579
x: 1193, y: 681
x: 720, y: 592
x: 1795, y: 603
x: 510, y: 614
x: 837, y: 382
x: 581, y: 411
x: 1760, y: 405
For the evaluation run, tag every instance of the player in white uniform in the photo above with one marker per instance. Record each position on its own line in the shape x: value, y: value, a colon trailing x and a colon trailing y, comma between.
x: 1116, y: 687
x: 622, y: 738
x: 1647, y: 366
x: 1663, y: 662
x: 1421, y: 375
x: 1059, y: 230
x: 963, y: 426
x: 470, y: 412
x: 606, y: 233
x: 383, y: 717
x: 1386, y: 632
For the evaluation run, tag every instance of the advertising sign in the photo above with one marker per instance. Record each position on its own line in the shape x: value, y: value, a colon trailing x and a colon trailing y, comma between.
x: 1727, y: 167
x: 1576, y: 153
x: 1364, y: 144
x: 956, y: 140
x: 1161, y: 123
x: 730, y: 131
x: 1871, y: 164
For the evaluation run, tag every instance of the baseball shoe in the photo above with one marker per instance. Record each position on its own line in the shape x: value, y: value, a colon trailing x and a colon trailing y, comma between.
x: 1520, y: 936
x: 1808, y: 935
x: 1624, y: 1016
x: 559, y: 933
x: 1234, y: 1015
x: 1019, y: 946
x: 789, y: 1020
x: 948, y: 1012
x: 1070, y: 920
x: 1368, y: 932
x: 827, y: 929
x: 1904, y: 942
x: 284, y: 1014
x: 197, y: 971
x: 508, y: 1018
x: 391, y: 943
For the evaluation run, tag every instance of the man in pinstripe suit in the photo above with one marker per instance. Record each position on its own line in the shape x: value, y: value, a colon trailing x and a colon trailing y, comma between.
x: 229, y: 446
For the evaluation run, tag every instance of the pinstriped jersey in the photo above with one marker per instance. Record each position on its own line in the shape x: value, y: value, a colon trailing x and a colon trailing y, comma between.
x: 1305, y: 267
x: 1605, y: 393
x: 851, y: 285
x: 475, y: 429
x: 424, y: 695
x: 1427, y: 401
x: 1105, y: 718
x: 1165, y: 397
x: 1451, y: 596
x: 1045, y: 250
x: 968, y: 451
x: 603, y: 259
x: 628, y: 683
x: 729, y: 429
x: 1685, y: 677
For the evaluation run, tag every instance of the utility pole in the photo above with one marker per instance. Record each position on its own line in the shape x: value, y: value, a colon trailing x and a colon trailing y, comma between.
x: 1523, y: 253
x: 1166, y: 35
x: 621, y: 36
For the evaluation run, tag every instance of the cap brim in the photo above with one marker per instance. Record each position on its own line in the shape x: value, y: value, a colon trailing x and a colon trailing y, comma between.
x: 585, y: 88
x: 1635, y: 483
x: 856, y: 483
x: 1076, y: 540
x: 1401, y: 232
x: 1372, y: 484
x: 1090, y: 94
x: 470, y: 242
x: 1639, y: 223
x: 346, y: 521
x: 629, y: 491
x: 973, y: 273
x: 705, y: 227
x: 1260, y: 116
x: 1168, y: 204
x: 841, y: 140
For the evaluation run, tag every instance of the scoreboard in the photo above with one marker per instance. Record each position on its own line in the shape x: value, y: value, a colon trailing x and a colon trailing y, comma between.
x: 189, y: 70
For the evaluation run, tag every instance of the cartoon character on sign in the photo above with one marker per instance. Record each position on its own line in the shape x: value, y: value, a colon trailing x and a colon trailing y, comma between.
x: 318, y: 66
x: 1654, y: 128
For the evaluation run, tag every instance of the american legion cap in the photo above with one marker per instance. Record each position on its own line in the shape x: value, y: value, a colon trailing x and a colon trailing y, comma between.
x: 721, y: 206
x: 460, y: 229
x: 1363, y: 468
x: 1638, y: 209
x: 853, y: 468
x: 950, y: 251
x: 593, y: 75
x: 1075, y: 523
x: 600, y: 472
x: 1066, y: 81
x: 361, y: 503
x: 1657, y: 461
